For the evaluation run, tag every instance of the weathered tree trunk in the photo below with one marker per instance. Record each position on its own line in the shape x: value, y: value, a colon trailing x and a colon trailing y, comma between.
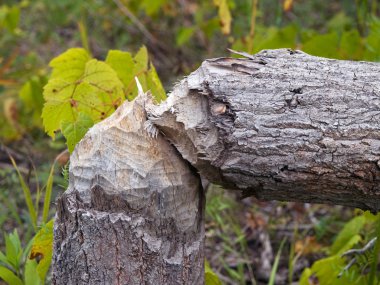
x: 133, y: 213
x: 280, y: 125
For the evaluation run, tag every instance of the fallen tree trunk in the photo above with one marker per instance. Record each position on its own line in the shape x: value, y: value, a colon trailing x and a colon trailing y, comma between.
x: 280, y: 125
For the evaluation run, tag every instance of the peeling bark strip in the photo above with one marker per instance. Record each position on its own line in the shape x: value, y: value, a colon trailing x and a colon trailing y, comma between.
x: 281, y: 125
x: 133, y: 212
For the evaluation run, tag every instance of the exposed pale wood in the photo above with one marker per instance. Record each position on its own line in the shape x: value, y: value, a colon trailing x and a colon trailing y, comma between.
x: 281, y: 125
x: 133, y: 212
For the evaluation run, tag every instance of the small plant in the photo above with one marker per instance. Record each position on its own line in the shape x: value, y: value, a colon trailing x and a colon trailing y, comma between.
x: 221, y: 210
x: 18, y: 266
x: 338, y: 268
x: 30, y: 264
x: 11, y: 263
x: 210, y: 277
x: 276, y: 263
x: 33, y: 206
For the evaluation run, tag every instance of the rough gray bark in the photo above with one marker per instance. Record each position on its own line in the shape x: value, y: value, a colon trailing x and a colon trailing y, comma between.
x: 281, y: 125
x: 133, y: 212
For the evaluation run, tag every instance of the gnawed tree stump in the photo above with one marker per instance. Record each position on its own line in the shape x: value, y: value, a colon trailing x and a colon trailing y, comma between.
x: 280, y: 125
x: 133, y: 212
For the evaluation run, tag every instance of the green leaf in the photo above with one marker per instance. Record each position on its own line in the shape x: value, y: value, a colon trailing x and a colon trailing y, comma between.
x: 154, y: 85
x: 345, y: 236
x: 69, y: 65
x: 372, y: 43
x: 92, y: 87
x: 75, y: 131
x: 350, y: 243
x: 7, y: 131
x: 32, y: 98
x: 273, y: 38
x: 13, y: 18
x: 122, y: 62
x: 351, y: 45
x: 79, y: 84
x: 151, y: 7
x: 275, y: 264
x: 43, y: 248
x: 9, y: 17
x: 54, y: 112
x: 184, y: 34
x: 224, y: 16
x: 147, y: 75
x: 31, y: 276
x: 210, y: 277
x: 27, y: 194
x: 209, y: 27
x: 9, y: 277
x: 306, y: 274
x: 48, y: 191
x: 140, y: 69
x: 340, y: 22
x: 141, y: 61
x: 4, y: 259
x: 13, y: 249
x: 83, y: 35
x: 127, y: 68
x: 328, y: 269
x: 323, y: 45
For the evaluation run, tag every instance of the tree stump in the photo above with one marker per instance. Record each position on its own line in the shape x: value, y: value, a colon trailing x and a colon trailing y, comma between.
x: 133, y: 212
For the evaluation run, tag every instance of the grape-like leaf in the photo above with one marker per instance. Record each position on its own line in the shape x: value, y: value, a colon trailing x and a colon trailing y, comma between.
x: 128, y: 67
x: 154, y: 85
x: 69, y: 65
x: 75, y: 131
x: 122, y: 62
x: 79, y: 84
x: 82, y: 91
x: 140, y: 69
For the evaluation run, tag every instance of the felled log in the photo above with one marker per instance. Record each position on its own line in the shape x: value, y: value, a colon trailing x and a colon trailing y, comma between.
x: 281, y: 125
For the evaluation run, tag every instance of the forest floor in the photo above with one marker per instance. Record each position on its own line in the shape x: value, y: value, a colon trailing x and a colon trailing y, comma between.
x: 243, y: 236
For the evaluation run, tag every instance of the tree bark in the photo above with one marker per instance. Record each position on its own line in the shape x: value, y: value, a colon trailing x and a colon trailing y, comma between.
x: 133, y: 211
x: 281, y: 125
